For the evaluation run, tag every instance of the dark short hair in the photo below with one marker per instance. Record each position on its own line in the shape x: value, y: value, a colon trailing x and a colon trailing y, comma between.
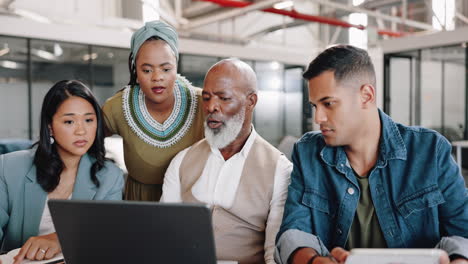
x: 345, y: 61
x: 48, y: 163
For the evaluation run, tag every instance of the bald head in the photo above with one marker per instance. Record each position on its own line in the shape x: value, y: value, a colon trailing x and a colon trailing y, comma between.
x: 238, y: 73
x: 229, y: 98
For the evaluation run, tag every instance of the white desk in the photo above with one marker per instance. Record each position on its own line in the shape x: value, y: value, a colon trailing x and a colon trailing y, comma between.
x: 459, y: 145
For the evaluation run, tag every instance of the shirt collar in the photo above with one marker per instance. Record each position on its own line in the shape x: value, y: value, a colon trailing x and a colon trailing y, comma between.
x: 245, y: 149
x: 391, y: 145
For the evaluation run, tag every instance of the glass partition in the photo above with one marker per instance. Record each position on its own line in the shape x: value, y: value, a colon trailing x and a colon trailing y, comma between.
x: 109, y: 71
x: 52, y: 62
x: 293, y: 85
x: 400, y: 91
x: 14, y: 88
x: 270, y: 108
x: 29, y: 67
x: 431, y: 92
x: 194, y: 67
x: 430, y: 86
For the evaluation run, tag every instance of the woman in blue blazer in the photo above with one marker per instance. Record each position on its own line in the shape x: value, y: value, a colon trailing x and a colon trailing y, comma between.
x: 68, y: 163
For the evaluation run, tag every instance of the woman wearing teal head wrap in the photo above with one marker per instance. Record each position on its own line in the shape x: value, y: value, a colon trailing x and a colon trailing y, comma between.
x: 158, y: 114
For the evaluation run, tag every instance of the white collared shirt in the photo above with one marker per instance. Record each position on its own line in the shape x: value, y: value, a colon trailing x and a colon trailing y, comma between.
x: 219, y: 182
x: 46, y: 226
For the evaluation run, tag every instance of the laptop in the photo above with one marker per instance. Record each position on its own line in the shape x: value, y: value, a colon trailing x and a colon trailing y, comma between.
x: 122, y: 232
x: 394, y: 256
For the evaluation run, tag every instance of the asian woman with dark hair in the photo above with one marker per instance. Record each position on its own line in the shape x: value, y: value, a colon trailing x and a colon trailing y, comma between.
x: 66, y: 163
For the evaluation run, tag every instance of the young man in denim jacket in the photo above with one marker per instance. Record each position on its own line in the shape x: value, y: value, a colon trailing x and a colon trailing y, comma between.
x: 364, y: 180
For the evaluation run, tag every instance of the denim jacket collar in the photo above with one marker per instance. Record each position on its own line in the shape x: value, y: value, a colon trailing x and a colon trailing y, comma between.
x: 391, y: 146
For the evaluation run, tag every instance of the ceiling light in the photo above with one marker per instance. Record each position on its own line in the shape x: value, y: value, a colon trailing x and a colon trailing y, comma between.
x: 274, y: 83
x: 358, y: 2
x: 58, y: 51
x: 91, y: 56
x: 284, y: 4
x: 44, y: 54
x: 12, y: 65
x: 275, y: 65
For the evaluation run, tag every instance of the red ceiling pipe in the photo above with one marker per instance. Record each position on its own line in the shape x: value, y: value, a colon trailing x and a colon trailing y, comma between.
x: 320, y: 19
x: 297, y: 15
x: 391, y: 33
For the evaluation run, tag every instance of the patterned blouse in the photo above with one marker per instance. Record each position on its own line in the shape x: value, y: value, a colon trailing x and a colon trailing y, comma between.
x: 149, y: 146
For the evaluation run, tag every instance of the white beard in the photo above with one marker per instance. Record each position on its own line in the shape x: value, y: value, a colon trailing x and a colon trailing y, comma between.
x: 221, y: 137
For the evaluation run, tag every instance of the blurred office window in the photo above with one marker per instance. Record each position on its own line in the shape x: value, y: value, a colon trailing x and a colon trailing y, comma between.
x: 293, y: 84
x: 400, y: 90
x: 431, y: 91
x: 434, y: 80
x: 51, y: 62
x: 30, y: 67
x: 453, y: 59
x: 443, y: 14
x: 194, y: 67
x: 109, y: 71
x: 14, y: 88
x: 269, y: 113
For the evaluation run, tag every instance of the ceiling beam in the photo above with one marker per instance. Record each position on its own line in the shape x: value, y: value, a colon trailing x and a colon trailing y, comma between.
x: 164, y: 4
x: 199, y: 8
x: 166, y: 13
x: 294, y: 23
x: 6, y: 4
x: 296, y: 15
x: 375, y: 4
x: 395, y: 19
x: 229, y: 14
x: 178, y: 9
x: 461, y: 17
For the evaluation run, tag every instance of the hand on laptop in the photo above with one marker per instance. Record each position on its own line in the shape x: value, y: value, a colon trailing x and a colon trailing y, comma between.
x: 444, y: 259
x: 39, y: 248
x: 455, y: 261
x: 341, y: 255
x: 337, y: 256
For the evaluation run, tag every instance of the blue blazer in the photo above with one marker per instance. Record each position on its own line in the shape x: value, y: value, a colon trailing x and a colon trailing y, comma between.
x: 22, y: 199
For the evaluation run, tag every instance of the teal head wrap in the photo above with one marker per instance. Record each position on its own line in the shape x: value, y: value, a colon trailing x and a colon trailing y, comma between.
x: 155, y: 29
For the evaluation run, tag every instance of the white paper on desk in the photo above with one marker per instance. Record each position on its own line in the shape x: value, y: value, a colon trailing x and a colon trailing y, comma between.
x: 391, y: 259
x: 8, y: 258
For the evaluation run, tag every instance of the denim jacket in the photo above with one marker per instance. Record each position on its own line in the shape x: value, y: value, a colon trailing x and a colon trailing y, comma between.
x: 419, y: 195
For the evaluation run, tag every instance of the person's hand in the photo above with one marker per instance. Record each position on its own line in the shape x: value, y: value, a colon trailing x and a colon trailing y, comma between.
x: 444, y: 259
x: 324, y: 260
x: 39, y: 248
x: 459, y: 261
x: 339, y: 254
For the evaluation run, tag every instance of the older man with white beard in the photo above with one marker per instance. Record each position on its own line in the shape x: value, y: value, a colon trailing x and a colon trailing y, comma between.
x: 234, y: 170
